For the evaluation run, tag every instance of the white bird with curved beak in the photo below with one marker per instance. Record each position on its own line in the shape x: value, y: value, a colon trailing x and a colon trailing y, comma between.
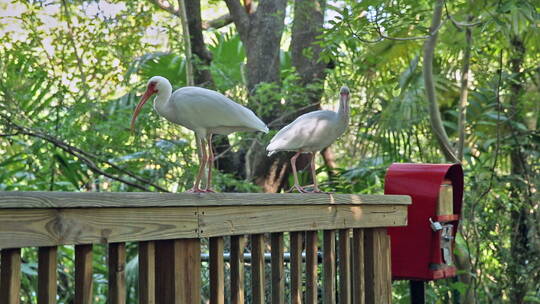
x: 203, y: 111
x: 312, y: 132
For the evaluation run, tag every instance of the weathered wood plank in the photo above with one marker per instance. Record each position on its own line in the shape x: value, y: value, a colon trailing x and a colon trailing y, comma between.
x: 10, y: 275
x: 117, y: 273
x: 358, y: 286
x: 218, y: 221
x: 47, y: 274
x: 37, y: 199
x: 178, y: 271
x: 378, y: 274
x: 188, y: 252
x: 238, y: 243
x: 296, y: 267
x: 147, y: 272
x: 166, y: 272
x: 329, y: 267
x: 278, y: 268
x: 257, y: 268
x: 52, y: 227
x: 217, y: 271
x: 83, y: 274
x: 311, y: 267
x: 345, y: 267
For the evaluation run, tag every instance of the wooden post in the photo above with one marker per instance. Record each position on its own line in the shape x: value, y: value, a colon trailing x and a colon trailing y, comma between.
x: 10, y: 275
x: 296, y: 267
x: 278, y: 268
x: 417, y: 289
x: 147, y: 273
x: 329, y: 265
x: 178, y: 271
x: 378, y: 276
x: 238, y: 243
x: 217, y: 268
x: 47, y: 275
x: 117, y: 273
x: 257, y: 268
x: 83, y: 274
x: 311, y: 267
x: 358, y: 273
x: 344, y: 266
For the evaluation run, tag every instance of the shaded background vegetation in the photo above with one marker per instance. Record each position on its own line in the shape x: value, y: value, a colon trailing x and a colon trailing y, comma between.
x: 71, y: 72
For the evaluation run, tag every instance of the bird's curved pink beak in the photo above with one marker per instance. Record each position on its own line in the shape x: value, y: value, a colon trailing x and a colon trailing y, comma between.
x: 149, y: 92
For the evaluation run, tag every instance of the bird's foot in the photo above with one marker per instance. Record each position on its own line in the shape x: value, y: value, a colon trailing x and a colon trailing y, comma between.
x: 208, y: 190
x: 196, y: 190
x: 301, y: 189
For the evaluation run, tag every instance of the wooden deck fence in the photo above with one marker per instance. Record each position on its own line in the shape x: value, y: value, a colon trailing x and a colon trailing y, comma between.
x: 169, y: 229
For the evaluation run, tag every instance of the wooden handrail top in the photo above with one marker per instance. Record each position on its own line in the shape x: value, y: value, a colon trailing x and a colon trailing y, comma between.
x: 45, y: 200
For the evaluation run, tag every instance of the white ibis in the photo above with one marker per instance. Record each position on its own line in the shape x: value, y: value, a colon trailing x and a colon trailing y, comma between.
x: 203, y: 111
x: 312, y: 132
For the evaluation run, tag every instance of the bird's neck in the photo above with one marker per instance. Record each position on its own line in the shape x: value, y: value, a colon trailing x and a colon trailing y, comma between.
x: 343, y: 111
x: 161, y: 102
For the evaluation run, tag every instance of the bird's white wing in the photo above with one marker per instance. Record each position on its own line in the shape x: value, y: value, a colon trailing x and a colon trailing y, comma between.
x: 309, y: 131
x: 209, y: 109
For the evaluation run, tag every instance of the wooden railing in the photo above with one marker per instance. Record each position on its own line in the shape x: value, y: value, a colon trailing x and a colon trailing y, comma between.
x: 169, y: 229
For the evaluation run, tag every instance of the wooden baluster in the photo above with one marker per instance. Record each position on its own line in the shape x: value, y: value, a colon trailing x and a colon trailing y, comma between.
x: 166, y: 272
x: 147, y: 272
x: 178, y: 271
x: 83, y: 274
x: 47, y: 275
x: 257, y: 268
x: 358, y: 285
x: 117, y: 273
x: 238, y: 242
x: 378, y: 273
x: 329, y: 265
x: 344, y: 266
x: 217, y: 281
x: 278, y: 269
x: 296, y: 267
x: 311, y: 267
x: 188, y: 278
x: 10, y: 275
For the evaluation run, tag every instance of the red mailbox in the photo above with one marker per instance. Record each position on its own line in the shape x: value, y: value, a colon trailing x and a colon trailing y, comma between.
x: 423, y: 250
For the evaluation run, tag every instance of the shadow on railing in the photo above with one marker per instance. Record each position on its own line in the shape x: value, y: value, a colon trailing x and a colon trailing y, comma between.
x: 169, y: 229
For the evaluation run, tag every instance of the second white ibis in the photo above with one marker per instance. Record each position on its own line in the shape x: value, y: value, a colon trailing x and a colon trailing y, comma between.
x: 203, y: 111
x: 312, y: 132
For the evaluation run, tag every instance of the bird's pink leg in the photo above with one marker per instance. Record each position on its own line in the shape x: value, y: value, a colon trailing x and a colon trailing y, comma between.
x: 201, y: 152
x: 293, y: 164
x: 314, y: 174
x: 209, y: 163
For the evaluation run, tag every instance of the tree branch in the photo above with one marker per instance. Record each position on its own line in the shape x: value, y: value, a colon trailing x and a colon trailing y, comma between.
x: 464, y: 90
x: 86, y: 157
x: 167, y: 6
x: 240, y: 17
x: 434, y: 111
x: 219, y: 22
x: 458, y: 24
x: 187, y: 43
x: 382, y: 36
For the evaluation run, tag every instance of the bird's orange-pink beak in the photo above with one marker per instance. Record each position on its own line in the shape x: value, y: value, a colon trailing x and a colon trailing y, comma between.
x: 149, y: 92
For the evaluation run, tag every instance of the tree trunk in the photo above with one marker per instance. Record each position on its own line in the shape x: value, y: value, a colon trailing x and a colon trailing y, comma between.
x: 271, y: 173
x: 261, y: 34
x: 520, y: 244
x: 203, y: 58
